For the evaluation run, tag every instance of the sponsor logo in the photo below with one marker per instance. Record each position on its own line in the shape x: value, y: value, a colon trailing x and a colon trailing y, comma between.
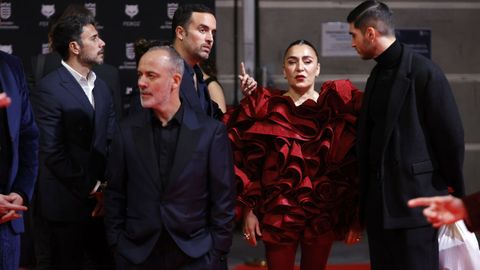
x: 45, y: 48
x: 5, y: 10
x: 8, y: 48
x: 92, y: 7
x: 129, y: 62
x: 131, y: 10
x: 171, y: 8
x: 47, y: 10
x: 130, y: 51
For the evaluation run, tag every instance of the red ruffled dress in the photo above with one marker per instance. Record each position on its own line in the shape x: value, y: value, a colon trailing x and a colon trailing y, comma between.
x: 295, y: 165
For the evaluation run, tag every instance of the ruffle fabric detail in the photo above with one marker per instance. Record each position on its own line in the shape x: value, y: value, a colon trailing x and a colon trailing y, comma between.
x: 296, y: 165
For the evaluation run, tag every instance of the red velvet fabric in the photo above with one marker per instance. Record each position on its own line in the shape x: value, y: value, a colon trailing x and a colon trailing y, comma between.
x: 295, y: 165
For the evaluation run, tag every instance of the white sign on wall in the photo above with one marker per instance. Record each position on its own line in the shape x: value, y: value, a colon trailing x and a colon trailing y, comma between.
x: 335, y: 40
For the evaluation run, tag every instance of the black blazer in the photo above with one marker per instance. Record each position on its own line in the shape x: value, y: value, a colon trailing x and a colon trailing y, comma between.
x: 73, y: 144
x: 196, y: 206
x: 43, y: 64
x: 424, y: 141
x: 471, y: 204
x: 23, y: 134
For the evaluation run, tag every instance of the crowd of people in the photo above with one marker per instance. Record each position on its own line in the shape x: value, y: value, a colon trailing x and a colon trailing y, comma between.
x: 162, y: 187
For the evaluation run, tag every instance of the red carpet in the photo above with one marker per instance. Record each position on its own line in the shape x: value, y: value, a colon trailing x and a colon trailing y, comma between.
x: 329, y: 267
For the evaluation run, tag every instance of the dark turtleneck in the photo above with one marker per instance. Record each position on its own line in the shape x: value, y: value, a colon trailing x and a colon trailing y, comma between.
x: 387, y: 66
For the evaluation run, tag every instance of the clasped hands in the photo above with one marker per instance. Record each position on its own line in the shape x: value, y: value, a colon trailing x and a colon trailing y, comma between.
x: 10, y: 205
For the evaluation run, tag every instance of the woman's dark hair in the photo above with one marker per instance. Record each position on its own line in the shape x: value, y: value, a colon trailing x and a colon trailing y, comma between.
x: 301, y: 42
x: 209, y: 67
x: 142, y: 45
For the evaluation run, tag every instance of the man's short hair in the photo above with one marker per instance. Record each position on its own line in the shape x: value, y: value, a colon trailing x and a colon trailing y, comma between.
x: 174, y: 59
x: 373, y: 14
x: 69, y: 28
x: 183, y: 15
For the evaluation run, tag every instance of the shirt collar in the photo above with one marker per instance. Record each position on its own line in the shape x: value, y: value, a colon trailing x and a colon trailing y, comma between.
x: 176, y: 119
x: 90, y: 79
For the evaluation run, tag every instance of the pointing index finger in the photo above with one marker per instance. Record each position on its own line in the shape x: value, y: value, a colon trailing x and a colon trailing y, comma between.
x: 242, y: 69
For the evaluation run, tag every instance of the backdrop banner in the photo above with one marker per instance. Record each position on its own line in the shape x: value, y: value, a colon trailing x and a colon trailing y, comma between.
x: 24, y: 27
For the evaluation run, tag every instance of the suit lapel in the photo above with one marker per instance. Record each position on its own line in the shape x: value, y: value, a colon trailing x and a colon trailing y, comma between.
x: 187, y: 89
x: 400, y: 88
x: 366, y: 100
x: 143, y: 137
x: 100, y: 104
x: 13, y: 111
x: 186, y: 144
x: 71, y: 86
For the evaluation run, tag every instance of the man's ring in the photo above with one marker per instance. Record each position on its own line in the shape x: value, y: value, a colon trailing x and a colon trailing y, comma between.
x: 247, y: 235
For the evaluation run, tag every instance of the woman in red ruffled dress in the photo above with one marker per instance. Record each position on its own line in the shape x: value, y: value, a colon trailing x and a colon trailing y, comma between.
x: 295, y: 163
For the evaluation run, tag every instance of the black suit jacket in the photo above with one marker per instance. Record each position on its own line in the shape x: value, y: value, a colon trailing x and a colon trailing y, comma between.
x: 43, y: 64
x: 73, y: 144
x: 189, y: 94
x: 197, y: 205
x: 423, y: 148
x: 23, y: 134
x: 472, y: 203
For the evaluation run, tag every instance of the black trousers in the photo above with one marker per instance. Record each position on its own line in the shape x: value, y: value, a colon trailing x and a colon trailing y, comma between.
x: 398, y: 249
x: 71, y: 245
x: 166, y: 255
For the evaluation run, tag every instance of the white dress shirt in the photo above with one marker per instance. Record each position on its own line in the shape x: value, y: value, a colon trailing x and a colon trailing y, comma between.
x: 87, y: 83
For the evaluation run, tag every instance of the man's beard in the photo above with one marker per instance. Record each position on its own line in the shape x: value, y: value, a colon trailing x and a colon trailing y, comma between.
x: 92, y: 61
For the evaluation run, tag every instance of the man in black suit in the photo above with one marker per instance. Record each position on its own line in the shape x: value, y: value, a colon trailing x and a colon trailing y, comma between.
x: 410, y: 142
x: 170, y: 195
x: 193, y: 31
x: 74, y: 112
x: 43, y: 64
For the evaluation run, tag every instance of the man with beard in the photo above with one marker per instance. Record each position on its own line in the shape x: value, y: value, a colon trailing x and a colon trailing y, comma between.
x: 74, y: 112
x: 194, y: 28
x: 170, y: 197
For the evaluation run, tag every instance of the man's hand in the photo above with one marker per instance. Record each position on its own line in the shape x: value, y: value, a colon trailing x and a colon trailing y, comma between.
x: 247, y: 83
x: 10, y: 205
x: 99, y: 210
x: 441, y: 210
x: 4, y: 100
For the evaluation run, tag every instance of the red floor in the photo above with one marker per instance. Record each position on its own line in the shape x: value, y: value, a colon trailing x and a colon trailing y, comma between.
x: 329, y: 267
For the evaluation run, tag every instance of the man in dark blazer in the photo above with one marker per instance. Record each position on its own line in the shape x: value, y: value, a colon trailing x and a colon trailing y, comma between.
x: 74, y: 112
x: 18, y: 157
x: 170, y: 195
x: 410, y: 142
x: 193, y: 31
x: 43, y: 64
x: 442, y: 210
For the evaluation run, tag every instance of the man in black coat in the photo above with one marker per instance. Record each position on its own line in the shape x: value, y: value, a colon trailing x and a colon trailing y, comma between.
x: 193, y: 32
x: 410, y: 142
